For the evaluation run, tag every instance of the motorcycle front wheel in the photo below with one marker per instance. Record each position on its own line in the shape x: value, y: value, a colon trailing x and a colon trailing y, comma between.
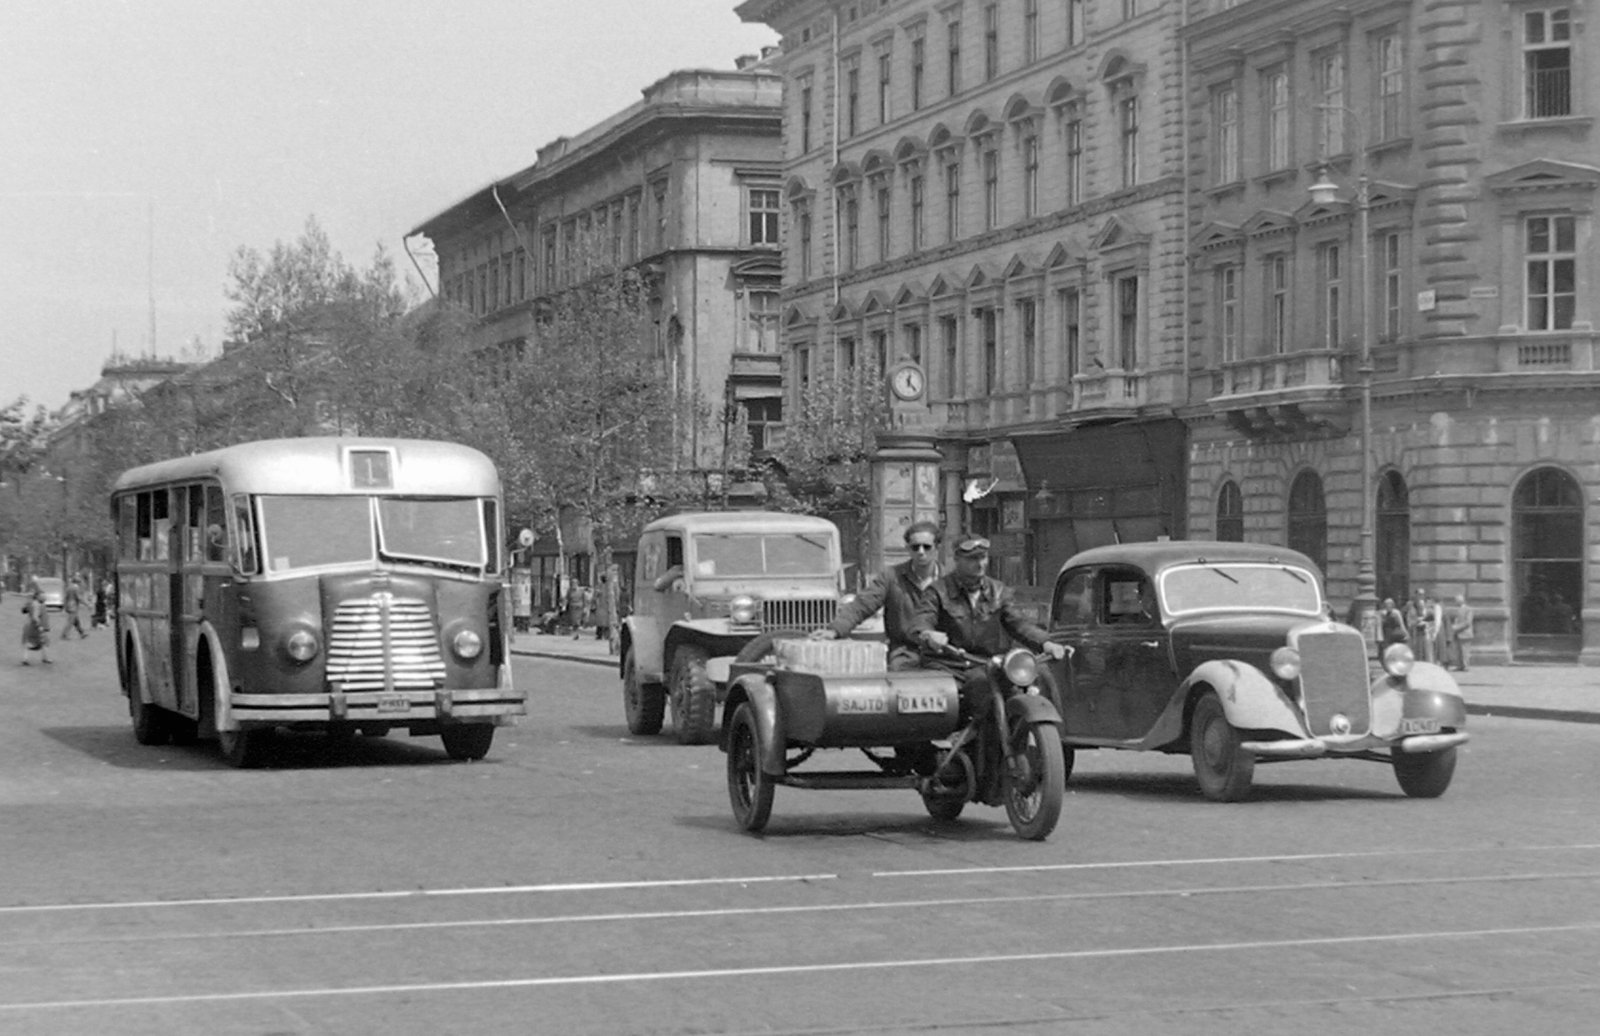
x: 1034, y: 779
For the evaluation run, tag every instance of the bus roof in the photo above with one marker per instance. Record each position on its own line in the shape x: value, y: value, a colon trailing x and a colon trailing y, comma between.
x: 318, y: 466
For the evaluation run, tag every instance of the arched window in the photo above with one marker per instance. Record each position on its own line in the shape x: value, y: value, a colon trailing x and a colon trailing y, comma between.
x: 1230, y: 513
x: 1392, y: 534
x: 1547, y: 559
x: 1308, y: 518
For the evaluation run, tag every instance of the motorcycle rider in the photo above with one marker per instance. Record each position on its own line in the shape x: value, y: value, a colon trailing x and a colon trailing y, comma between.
x: 898, y: 590
x: 971, y: 610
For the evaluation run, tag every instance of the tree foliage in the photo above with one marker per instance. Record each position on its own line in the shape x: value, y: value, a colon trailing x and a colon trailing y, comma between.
x: 822, y: 465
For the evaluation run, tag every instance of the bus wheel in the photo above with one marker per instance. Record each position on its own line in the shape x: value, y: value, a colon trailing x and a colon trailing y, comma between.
x: 149, y: 723
x: 243, y: 749
x: 182, y: 729
x: 468, y: 741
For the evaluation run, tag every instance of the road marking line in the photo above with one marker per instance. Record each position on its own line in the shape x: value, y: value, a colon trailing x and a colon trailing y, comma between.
x: 793, y: 969
x: 819, y: 908
x: 1213, y: 860
x: 589, y: 886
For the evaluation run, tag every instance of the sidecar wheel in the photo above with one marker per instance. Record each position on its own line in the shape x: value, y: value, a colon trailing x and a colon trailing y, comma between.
x: 1033, y: 796
x: 1222, y: 767
x: 1424, y: 775
x: 749, y: 789
x: 642, y: 703
x: 944, y: 807
x: 693, y: 697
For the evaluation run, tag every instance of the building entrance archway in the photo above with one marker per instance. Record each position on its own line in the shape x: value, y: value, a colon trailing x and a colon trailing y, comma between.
x: 1547, y: 566
x: 1393, y: 533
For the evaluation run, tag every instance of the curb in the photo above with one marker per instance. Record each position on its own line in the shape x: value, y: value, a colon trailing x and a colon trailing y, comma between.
x: 607, y: 661
x: 1530, y: 712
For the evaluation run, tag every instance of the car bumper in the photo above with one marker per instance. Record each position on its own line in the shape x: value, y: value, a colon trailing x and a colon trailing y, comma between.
x: 1316, y: 747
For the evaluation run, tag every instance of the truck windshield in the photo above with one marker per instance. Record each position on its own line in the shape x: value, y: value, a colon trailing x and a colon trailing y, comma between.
x: 763, y: 554
x: 1240, y: 587
x: 313, y: 531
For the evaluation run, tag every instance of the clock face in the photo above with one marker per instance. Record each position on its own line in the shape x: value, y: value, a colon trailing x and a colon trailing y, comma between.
x: 906, y: 382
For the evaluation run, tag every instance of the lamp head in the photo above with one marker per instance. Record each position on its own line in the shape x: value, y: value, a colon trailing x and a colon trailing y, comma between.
x: 1324, y: 190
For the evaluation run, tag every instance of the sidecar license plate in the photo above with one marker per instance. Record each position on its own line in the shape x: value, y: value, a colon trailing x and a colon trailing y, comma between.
x: 1427, y: 725
x: 905, y: 703
x: 393, y: 703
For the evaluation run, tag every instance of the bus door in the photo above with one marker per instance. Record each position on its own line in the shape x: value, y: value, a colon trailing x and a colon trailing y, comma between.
x: 187, y: 586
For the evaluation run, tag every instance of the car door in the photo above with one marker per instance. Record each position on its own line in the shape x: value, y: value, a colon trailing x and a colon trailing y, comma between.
x: 1071, y: 618
x: 1138, y: 676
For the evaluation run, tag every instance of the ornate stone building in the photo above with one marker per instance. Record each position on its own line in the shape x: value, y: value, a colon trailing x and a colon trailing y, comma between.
x: 1472, y: 127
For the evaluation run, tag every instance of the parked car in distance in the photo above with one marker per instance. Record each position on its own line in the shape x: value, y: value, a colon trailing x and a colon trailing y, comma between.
x: 55, y: 593
x: 705, y: 585
x: 1222, y: 651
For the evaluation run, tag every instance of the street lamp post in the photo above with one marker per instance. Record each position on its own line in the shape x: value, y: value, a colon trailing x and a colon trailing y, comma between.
x: 1365, y: 605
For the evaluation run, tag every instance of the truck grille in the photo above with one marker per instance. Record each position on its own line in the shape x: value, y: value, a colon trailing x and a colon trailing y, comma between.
x: 1334, y: 679
x: 805, y: 615
x: 382, y: 642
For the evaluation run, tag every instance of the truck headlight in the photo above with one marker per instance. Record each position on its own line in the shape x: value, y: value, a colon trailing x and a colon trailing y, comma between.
x: 1398, y: 659
x: 1285, y: 663
x: 301, y: 645
x: 743, y: 609
x: 467, y: 645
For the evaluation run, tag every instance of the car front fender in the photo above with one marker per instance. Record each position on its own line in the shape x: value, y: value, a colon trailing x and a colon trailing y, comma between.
x: 1251, y: 699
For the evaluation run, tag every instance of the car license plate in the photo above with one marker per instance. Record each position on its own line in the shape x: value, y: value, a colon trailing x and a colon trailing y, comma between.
x: 1419, y: 726
x: 393, y: 703
x: 919, y: 703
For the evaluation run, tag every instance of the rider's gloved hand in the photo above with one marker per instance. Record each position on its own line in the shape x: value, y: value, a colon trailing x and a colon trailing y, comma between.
x: 1057, y: 651
x: 825, y: 633
x: 936, y: 639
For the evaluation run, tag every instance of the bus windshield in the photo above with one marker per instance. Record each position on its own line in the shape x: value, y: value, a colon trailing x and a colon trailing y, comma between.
x: 312, y: 531
x: 763, y: 554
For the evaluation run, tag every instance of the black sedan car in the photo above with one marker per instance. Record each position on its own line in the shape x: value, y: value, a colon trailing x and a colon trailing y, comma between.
x: 1223, y: 651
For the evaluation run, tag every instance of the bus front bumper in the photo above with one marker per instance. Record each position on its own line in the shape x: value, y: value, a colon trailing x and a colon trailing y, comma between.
x: 400, y: 707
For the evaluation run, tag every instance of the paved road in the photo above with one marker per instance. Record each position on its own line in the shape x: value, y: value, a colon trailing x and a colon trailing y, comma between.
x: 584, y: 882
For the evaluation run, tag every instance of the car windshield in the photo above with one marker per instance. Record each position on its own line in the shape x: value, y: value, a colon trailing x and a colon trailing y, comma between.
x: 1234, y: 586
x: 763, y: 554
x: 312, y: 531
x: 50, y: 585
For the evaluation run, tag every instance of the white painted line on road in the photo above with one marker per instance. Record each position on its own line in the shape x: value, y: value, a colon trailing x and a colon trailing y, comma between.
x: 1214, y: 860
x: 792, y: 969
x: 492, y: 890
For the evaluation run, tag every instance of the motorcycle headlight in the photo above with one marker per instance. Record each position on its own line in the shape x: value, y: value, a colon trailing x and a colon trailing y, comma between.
x: 1021, y: 667
x: 301, y: 645
x: 743, y: 609
x: 1285, y: 663
x: 1398, y: 659
x: 467, y: 645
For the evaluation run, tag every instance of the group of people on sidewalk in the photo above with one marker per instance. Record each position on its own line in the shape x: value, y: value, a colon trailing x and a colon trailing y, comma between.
x: 76, y: 598
x: 1438, y: 634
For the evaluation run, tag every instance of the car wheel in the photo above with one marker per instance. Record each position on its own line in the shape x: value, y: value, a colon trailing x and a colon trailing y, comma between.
x: 693, y: 697
x: 1424, y: 775
x: 749, y: 789
x: 642, y: 703
x: 243, y: 749
x: 467, y: 742
x: 1222, y: 767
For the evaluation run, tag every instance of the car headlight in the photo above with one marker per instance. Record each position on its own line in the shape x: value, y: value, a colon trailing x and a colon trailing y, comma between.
x: 467, y: 645
x: 301, y: 645
x: 743, y: 609
x: 1398, y: 659
x: 1285, y: 663
x: 1021, y: 667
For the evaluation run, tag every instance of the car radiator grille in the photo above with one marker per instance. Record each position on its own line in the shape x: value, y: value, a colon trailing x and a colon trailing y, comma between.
x: 797, y: 615
x: 1334, y: 680
x: 382, y: 642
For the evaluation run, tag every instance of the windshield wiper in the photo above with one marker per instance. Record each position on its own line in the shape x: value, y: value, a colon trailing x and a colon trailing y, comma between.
x: 409, y: 559
x: 1298, y: 577
x: 1220, y: 572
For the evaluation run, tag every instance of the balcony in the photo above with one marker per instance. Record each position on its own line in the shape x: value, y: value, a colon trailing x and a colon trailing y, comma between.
x: 1284, y: 393
x: 1098, y: 395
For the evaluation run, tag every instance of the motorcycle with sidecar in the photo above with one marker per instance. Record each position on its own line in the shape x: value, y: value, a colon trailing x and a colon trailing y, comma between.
x: 789, y: 698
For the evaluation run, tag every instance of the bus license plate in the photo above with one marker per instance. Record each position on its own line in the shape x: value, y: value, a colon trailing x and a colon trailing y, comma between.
x: 1427, y: 725
x: 905, y: 703
x: 393, y: 703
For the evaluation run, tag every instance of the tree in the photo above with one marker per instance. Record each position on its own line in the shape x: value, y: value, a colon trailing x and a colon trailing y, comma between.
x: 24, y: 438
x: 821, y: 464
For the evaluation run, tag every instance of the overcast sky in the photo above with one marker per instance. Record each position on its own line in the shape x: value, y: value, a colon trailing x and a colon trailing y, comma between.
x: 184, y: 129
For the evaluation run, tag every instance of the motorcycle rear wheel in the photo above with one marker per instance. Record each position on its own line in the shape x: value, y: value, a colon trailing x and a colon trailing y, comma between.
x: 1033, y: 785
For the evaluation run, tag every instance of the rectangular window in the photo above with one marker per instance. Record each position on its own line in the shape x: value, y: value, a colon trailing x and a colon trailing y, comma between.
x: 494, y: 285
x: 1071, y: 306
x: 989, y: 329
x: 953, y: 58
x: 1074, y: 170
x: 1390, y: 62
x: 763, y: 215
x: 991, y: 188
x: 1128, y: 126
x: 1276, y: 91
x: 805, y: 117
x: 880, y: 353
x: 846, y: 369
x: 1278, y: 303
x: 1030, y: 175
x: 851, y: 206
x: 763, y: 417
x: 911, y: 338
x: 1330, y: 266
x: 883, y: 222
x: 802, y: 221
x: 1389, y: 258
x: 991, y: 41
x: 547, y: 275
x: 802, y: 372
x: 1552, y: 264
x: 763, y: 321
x: 1331, y: 109
x: 918, y: 206
x: 918, y: 65
x: 852, y: 101
x: 633, y: 227
x: 1030, y: 31
x: 1075, y: 22
x: 1028, y: 332
x: 1547, y: 63
x: 1225, y: 116
x: 616, y: 233
x: 522, y: 275
x: 952, y: 200
x: 658, y: 194
x: 1228, y: 312
x: 1127, y: 297
x: 950, y: 335
x: 883, y: 88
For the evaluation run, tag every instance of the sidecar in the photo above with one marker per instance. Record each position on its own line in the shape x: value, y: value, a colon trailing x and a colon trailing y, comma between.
x: 817, y: 694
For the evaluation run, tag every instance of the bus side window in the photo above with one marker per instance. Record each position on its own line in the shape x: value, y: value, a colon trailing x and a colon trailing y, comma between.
x: 216, y: 525
x: 161, y: 524
x: 194, y: 548
x: 143, y: 527
x: 246, y: 534
x: 127, y: 524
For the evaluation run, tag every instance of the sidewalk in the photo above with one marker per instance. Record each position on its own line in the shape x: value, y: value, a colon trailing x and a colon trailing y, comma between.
x: 1567, y: 693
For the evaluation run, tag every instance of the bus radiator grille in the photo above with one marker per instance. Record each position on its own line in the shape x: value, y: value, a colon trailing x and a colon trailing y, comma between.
x: 371, y: 650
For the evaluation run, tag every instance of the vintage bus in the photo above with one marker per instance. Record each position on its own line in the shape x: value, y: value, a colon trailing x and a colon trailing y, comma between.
x: 348, y: 585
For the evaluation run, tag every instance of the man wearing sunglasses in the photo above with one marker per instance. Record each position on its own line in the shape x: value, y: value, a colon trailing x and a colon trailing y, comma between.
x: 970, y: 610
x: 898, y: 590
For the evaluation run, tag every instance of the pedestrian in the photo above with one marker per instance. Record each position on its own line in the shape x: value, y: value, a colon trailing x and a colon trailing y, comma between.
x: 72, y: 605
x: 100, y: 601
x: 1458, y: 619
x: 1392, y: 623
x: 36, y: 630
x: 1419, y: 623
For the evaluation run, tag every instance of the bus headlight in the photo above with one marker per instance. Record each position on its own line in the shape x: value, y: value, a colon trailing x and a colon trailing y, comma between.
x: 467, y: 645
x: 743, y: 609
x: 1398, y: 659
x: 1285, y: 663
x: 1021, y: 667
x: 301, y: 645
